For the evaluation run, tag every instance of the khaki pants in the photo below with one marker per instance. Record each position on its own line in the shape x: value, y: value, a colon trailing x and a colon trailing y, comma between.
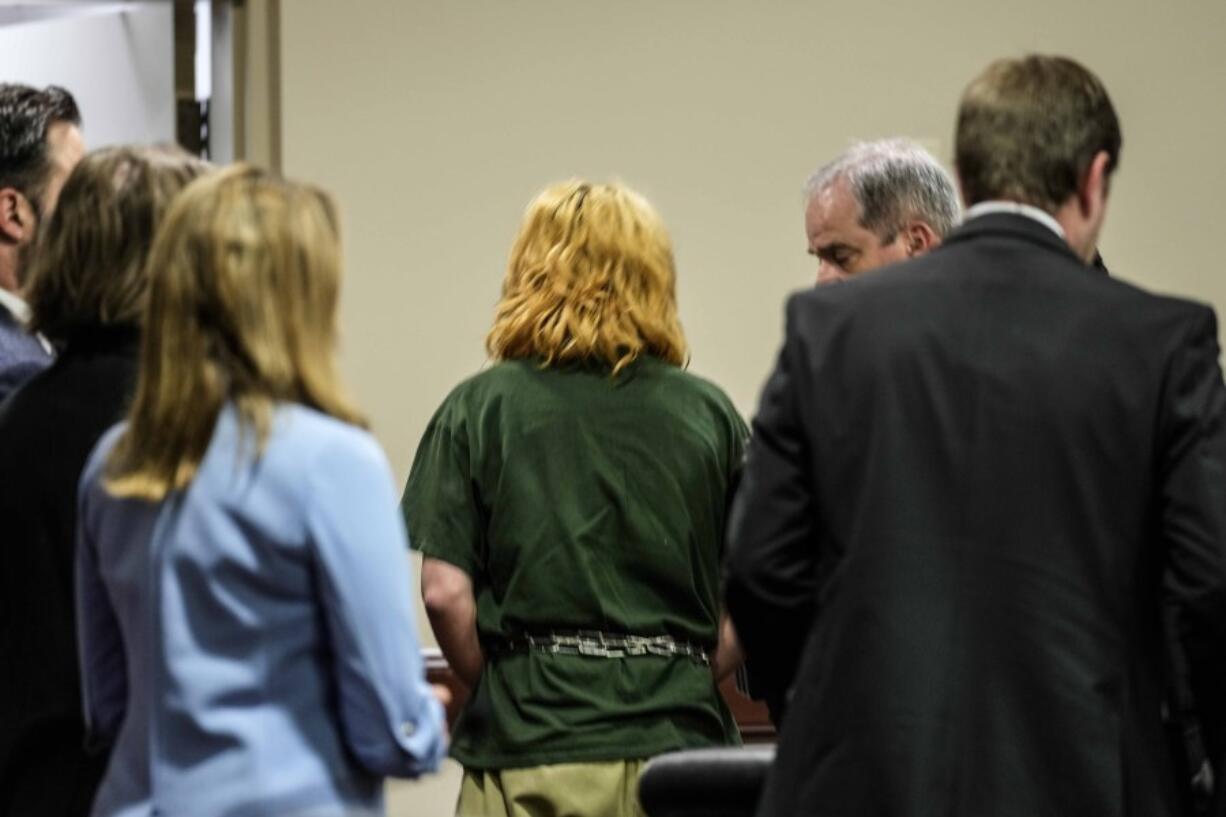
x: 607, y: 789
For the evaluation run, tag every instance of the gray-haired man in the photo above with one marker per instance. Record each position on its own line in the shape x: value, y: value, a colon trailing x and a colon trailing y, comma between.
x: 877, y: 203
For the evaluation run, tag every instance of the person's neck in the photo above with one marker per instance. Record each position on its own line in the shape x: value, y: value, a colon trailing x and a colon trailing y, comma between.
x: 1079, y: 232
x: 8, y: 267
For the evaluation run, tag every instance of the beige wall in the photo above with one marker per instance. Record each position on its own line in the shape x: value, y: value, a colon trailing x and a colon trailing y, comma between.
x: 435, y: 122
x: 257, y: 68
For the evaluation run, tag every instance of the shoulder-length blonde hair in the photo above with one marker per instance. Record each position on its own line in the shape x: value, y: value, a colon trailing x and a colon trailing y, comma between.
x: 245, y: 276
x: 90, y: 268
x: 591, y: 278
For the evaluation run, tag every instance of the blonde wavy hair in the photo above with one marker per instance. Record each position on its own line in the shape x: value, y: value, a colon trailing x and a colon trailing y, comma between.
x: 591, y: 278
x: 244, y: 281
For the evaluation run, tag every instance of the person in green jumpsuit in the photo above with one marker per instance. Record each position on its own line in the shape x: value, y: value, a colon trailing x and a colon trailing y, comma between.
x: 570, y: 502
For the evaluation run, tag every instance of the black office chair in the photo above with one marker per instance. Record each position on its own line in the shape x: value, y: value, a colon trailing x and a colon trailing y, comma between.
x: 723, y: 782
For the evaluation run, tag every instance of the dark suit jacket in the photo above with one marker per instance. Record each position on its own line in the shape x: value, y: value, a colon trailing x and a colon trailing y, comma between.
x: 21, y: 355
x: 973, y: 473
x: 47, y: 429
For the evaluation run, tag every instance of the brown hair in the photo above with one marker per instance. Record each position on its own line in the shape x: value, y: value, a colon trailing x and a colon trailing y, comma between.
x: 242, y: 310
x: 26, y: 115
x: 1028, y: 129
x: 591, y: 278
x: 90, y: 267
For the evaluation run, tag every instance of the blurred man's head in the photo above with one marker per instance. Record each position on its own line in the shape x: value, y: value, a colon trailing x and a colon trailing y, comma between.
x: 40, y: 143
x: 90, y: 270
x: 877, y: 203
x: 1040, y: 131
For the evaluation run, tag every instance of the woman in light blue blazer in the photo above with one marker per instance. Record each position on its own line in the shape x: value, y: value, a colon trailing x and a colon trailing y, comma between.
x: 247, y: 637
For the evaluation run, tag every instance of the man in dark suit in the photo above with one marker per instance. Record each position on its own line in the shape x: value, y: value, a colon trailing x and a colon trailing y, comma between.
x: 40, y: 142
x: 982, y: 473
x: 87, y: 293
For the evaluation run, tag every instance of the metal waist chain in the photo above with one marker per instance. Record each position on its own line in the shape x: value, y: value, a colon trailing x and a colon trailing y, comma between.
x: 596, y: 644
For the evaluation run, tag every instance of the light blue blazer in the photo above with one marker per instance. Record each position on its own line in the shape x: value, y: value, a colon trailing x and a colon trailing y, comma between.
x: 249, y: 642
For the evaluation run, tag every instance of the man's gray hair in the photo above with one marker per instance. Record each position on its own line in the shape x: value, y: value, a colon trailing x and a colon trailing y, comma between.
x: 893, y: 180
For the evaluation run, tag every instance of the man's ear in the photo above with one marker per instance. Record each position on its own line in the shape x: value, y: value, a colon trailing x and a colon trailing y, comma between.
x: 15, y: 216
x: 1092, y: 188
x: 918, y: 238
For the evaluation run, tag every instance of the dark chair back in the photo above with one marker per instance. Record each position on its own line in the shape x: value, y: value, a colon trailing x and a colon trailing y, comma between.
x: 723, y: 782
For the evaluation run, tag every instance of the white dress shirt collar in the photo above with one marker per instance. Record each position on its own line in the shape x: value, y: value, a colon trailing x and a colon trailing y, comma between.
x: 21, y: 312
x: 14, y: 304
x: 985, y: 208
